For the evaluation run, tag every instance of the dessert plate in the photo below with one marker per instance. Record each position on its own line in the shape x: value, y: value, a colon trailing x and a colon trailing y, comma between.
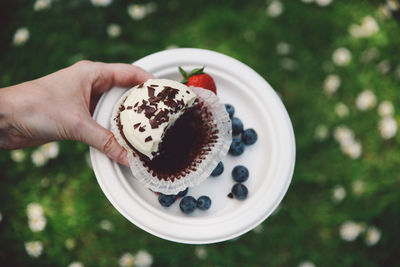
x: 270, y: 160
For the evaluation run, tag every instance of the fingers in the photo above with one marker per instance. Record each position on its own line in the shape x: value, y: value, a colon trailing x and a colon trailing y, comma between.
x: 104, y: 141
x: 118, y: 74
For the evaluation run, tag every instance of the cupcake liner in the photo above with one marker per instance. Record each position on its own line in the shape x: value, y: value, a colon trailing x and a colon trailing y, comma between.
x: 221, y: 121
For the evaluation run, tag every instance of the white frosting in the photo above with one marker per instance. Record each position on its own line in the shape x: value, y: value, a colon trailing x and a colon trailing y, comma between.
x: 132, y: 114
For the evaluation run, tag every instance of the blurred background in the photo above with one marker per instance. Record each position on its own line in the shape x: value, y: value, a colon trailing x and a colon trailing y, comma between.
x: 336, y: 65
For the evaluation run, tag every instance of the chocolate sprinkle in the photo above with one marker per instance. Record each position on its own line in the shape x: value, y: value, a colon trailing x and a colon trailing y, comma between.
x: 129, y: 107
x: 136, y: 125
x: 148, y: 139
x: 142, y: 129
x: 140, y: 85
x: 230, y: 195
x: 150, y: 91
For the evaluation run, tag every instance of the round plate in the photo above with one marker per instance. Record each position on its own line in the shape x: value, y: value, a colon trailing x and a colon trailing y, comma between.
x: 270, y: 160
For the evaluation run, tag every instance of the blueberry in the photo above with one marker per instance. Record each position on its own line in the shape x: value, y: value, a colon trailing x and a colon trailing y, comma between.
x: 166, y: 200
x: 204, y: 202
x: 249, y: 136
x: 237, y: 126
x: 237, y: 147
x: 218, y: 170
x: 239, y: 191
x: 182, y: 193
x: 240, y: 173
x: 230, y: 109
x: 187, y: 204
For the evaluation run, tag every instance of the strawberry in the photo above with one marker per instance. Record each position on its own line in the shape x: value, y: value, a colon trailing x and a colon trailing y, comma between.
x: 199, y: 78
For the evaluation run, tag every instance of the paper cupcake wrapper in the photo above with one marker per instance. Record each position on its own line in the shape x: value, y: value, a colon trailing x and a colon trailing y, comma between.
x: 219, y: 149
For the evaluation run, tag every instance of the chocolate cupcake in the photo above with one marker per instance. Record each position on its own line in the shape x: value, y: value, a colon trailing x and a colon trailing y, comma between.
x: 174, y: 135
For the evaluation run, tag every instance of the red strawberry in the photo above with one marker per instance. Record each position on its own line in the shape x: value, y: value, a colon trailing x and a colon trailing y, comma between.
x: 198, y: 78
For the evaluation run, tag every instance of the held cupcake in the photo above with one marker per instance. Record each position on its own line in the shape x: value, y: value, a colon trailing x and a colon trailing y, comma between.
x: 174, y: 135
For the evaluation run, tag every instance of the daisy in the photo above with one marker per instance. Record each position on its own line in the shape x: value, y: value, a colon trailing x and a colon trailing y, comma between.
x: 341, y: 56
x: 126, y: 260
x: 339, y: 193
x: 388, y: 127
x: 34, y: 248
x: 275, y: 9
x: 143, y: 259
x: 373, y: 235
x: 366, y: 100
x: 386, y: 109
x: 41, y: 5
x: 106, y: 225
x: 350, y: 230
x: 283, y: 48
x: 101, y: 2
x: 76, y: 264
x: 321, y: 132
x: 306, y: 264
x: 201, y: 252
x: 341, y: 109
x: 358, y: 187
x: 38, y: 158
x: 137, y: 12
x: 113, y: 30
x: 17, y: 155
x: 50, y: 150
x: 21, y: 36
x: 323, y: 2
x: 34, y: 210
x: 37, y: 224
x: 331, y: 84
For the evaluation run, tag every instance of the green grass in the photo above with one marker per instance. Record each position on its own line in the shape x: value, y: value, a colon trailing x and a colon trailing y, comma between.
x: 306, y: 227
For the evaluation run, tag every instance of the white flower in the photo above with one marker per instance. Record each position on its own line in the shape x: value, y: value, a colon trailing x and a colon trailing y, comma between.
x: 306, y: 264
x: 41, y: 4
x: 369, y: 55
x: 384, y: 11
x: 137, y: 12
x: 368, y: 27
x: 323, y: 2
x: 126, y: 260
x: 106, y: 225
x: 143, y: 259
x: 259, y: 229
x: 388, y: 127
x: 366, y: 100
x: 201, y: 252
x: 50, y: 150
x: 21, y: 36
x: 383, y: 66
x: 350, y: 230
x: 393, y: 5
x: 76, y: 264
x: 339, y: 193
x: 275, y: 9
x: 386, y: 109
x: 283, y: 48
x: 353, y: 149
x: 321, y: 132
x: 171, y: 46
x: 34, y: 248
x: 331, y: 84
x: 34, y: 210
x: 69, y: 243
x: 38, y: 158
x: 341, y: 56
x: 17, y: 155
x: 358, y: 187
x: 341, y: 109
x: 288, y: 63
x: 307, y: 1
x: 372, y: 236
x: 101, y: 2
x: 343, y: 135
x: 113, y: 30
x: 37, y: 224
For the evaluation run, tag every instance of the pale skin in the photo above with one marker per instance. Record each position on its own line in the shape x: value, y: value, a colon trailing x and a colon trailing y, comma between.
x: 59, y: 106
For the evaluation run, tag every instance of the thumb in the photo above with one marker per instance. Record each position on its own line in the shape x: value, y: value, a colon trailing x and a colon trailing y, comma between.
x: 103, y: 140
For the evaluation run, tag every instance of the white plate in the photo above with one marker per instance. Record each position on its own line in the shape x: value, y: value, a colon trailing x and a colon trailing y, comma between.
x: 270, y: 160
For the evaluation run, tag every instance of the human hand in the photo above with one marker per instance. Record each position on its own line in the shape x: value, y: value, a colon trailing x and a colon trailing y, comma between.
x: 59, y: 107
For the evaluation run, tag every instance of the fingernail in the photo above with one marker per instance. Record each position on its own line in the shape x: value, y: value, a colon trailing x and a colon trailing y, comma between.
x: 124, y: 158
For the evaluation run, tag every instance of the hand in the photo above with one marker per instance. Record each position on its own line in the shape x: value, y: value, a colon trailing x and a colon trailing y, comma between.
x: 59, y: 107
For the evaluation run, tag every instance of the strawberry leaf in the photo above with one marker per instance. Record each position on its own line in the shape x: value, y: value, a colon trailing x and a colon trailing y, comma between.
x: 184, y: 75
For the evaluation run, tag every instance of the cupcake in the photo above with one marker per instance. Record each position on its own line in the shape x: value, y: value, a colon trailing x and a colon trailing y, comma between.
x: 175, y: 135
